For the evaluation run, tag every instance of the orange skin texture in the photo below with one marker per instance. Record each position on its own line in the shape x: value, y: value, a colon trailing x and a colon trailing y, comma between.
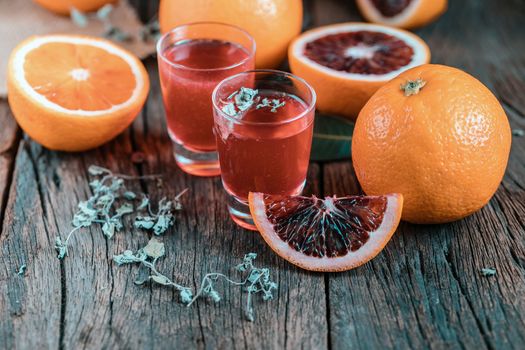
x: 337, y: 94
x: 61, y: 131
x: 272, y: 23
x: 63, y: 7
x: 445, y: 148
x: 426, y: 12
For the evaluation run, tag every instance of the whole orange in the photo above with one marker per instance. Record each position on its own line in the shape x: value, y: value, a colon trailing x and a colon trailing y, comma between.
x: 63, y: 7
x: 272, y: 23
x: 436, y: 135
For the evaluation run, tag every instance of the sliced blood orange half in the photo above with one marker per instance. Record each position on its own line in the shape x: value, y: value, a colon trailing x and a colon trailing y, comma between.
x: 402, y: 13
x: 331, y: 234
x: 346, y: 63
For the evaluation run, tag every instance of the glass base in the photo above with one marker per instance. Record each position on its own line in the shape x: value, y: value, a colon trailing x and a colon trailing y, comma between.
x: 196, y: 163
x: 239, y: 211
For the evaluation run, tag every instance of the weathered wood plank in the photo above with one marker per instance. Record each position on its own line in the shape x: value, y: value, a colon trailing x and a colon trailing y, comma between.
x: 203, y: 240
x: 103, y: 308
x: 9, y: 138
x: 30, y: 305
x: 425, y: 289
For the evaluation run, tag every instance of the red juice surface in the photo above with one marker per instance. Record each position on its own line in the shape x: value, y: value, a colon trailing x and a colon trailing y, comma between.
x: 187, y: 84
x: 266, y: 158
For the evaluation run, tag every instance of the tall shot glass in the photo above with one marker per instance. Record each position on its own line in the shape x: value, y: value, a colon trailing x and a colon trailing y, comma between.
x: 263, y: 126
x: 192, y: 60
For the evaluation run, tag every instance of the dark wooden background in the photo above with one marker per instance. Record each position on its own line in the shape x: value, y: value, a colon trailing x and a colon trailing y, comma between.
x: 425, y: 290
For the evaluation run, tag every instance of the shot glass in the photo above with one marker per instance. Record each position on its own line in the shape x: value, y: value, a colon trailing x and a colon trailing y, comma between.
x: 263, y: 127
x: 192, y: 60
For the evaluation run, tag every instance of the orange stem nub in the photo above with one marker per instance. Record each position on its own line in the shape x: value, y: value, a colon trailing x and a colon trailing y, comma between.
x: 412, y: 87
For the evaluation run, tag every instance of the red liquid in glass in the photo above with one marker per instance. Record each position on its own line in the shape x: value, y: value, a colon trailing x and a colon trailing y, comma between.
x: 187, y: 84
x: 266, y: 158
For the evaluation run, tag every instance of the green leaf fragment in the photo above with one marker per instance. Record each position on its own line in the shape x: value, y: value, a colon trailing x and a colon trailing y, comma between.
x: 104, y: 12
x: 186, y: 296
x: 214, y: 295
x: 129, y: 195
x: 108, y: 228
x: 229, y: 109
x: 488, y: 271
x: 124, y: 209
x: 60, y: 247
x: 244, y: 99
x: 144, y: 222
x: 162, y: 224
x: 332, y: 138
x: 143, y: 204
x: 274, y: 104
x: 126, y: 258
x: 22, y: 270
x: 78, y: 18
x: 139, y: 282
x: 518, y: 132
x: 96, y: 170
x: 160, y: 279
x: 117, y: 34
x: 154, y: 249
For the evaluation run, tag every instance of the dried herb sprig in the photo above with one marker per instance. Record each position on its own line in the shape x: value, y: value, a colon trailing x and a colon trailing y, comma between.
x: 245, y: 98
x: 150, y: 31
x: 22, y: 270
x: 257, y: 280
x: 488, y: 271
x: 162, y: 219
x: 110, y: 202
x: 103, y: 15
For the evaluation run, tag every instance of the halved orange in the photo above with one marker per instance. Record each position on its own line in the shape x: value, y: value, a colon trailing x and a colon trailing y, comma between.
x: 72, y: 92
x: 331, y: 234
x: 346, y: 63
x: 402, y: 14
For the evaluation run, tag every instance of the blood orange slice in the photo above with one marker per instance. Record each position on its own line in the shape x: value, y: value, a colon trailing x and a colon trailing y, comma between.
x: 346, y: 63
x: 402, y: 13
x: 331, y: 234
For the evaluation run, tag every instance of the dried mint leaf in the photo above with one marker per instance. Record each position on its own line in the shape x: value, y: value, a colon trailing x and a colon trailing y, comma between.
x: 154, y: 249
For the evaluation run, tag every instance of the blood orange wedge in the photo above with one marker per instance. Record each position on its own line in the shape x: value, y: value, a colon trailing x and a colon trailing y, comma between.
x: 402, y: 13
x: 346, y: 63
x: 72, y: 93
x: 331, y: 234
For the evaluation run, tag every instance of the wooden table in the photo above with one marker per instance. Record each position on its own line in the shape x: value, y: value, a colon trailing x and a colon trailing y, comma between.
x: 425, y: 290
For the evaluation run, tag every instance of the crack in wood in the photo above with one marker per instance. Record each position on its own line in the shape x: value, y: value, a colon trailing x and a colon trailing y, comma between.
x: 465, y: 295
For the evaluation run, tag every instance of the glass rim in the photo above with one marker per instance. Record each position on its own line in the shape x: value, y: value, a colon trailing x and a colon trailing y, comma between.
x: 164, y: 37
x: 301, y: 115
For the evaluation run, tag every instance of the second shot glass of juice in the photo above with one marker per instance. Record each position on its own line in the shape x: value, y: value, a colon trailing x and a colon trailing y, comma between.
x: 192, y: 60
x: 263, y: 126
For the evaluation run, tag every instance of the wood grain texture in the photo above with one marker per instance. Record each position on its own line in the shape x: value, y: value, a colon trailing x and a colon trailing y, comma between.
x: 96, y: 304
x: 9, y: 139
x: 30, y: 305
x: 425, y: 290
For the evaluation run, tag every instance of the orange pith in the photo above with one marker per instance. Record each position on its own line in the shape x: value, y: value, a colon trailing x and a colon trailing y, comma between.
x: 418, y: 13
x: 79, y: 76
x: 444, y: 147
x: 74, y: 93
x: 328, y: 235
